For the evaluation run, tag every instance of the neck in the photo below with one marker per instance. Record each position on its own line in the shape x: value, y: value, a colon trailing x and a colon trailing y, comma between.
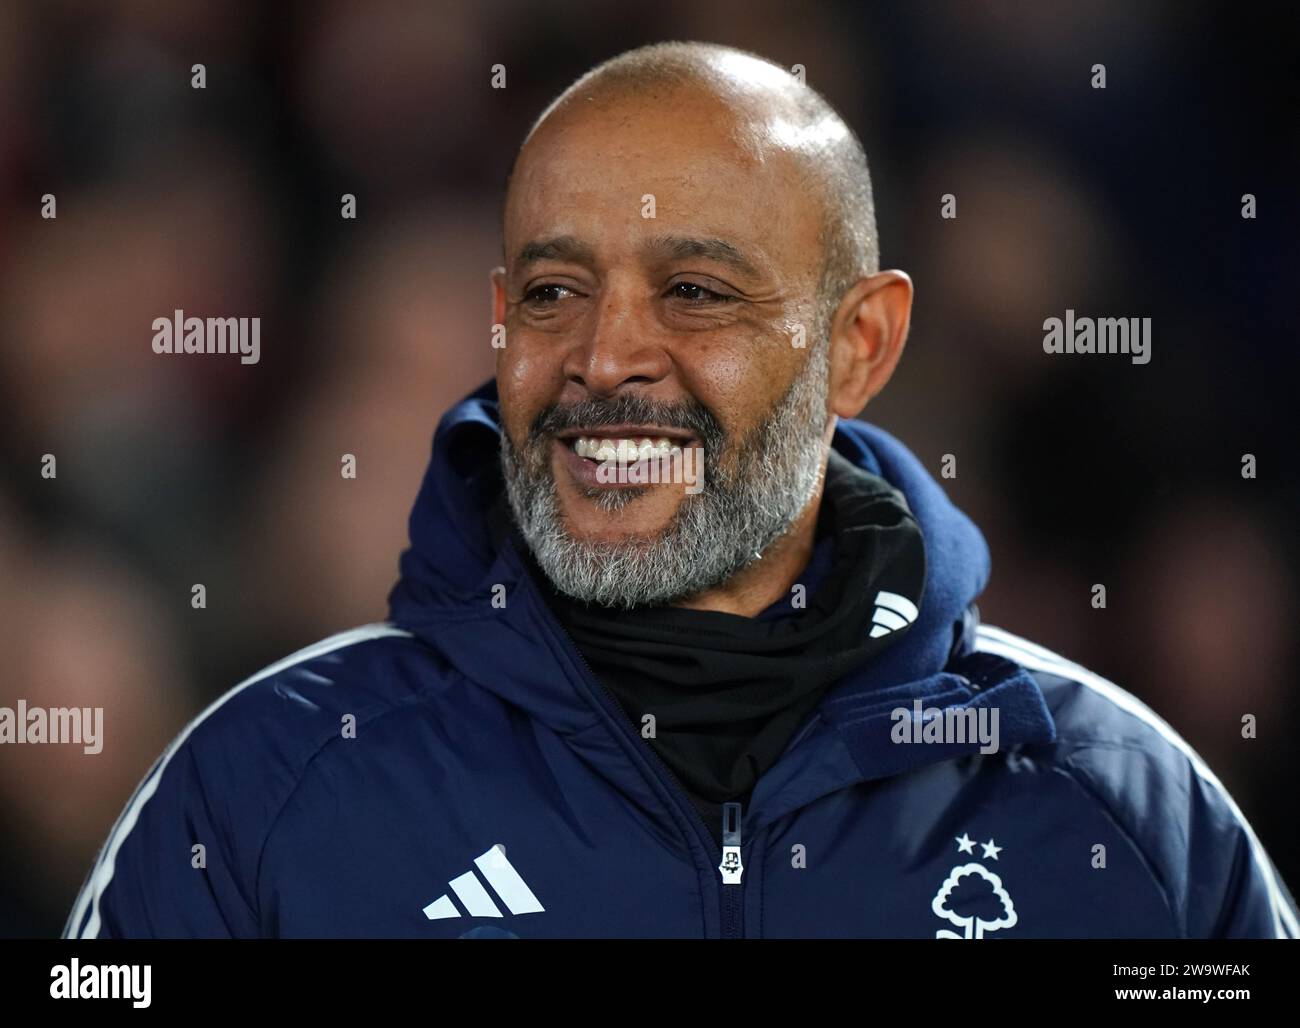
x: 769, y: 578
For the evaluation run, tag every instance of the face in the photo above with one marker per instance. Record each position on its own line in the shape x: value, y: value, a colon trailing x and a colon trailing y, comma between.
x: 658, y: 294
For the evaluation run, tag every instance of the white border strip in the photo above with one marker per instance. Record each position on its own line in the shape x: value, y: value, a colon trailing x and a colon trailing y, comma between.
x: 1003, y: 643
x: 102, y: 873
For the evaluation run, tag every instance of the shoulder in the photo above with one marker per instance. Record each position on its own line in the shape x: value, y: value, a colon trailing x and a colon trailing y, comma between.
x: 257, y: 738
x: 1127, y: 752
x: 224, y: 777
x: 363, y: 672
x: 246, y: 752
x: 249, y: 749
x: 1149, y: 780
x: 1091, y: 711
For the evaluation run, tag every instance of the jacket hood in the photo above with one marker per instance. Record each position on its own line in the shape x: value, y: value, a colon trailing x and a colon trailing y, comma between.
x: 448, y: 574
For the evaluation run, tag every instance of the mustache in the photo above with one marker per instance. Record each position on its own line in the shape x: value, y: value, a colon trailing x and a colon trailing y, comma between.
x: 686, y: 415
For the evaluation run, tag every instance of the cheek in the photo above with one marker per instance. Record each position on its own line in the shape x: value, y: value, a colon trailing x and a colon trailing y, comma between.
x: 740, y: 384
x: 525, y: 384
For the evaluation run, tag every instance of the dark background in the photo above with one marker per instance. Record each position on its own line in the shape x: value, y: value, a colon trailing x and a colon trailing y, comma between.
x: 1122, y: 202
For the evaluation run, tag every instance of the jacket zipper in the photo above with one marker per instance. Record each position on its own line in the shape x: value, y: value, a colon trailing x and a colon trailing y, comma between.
x: 732, y: 912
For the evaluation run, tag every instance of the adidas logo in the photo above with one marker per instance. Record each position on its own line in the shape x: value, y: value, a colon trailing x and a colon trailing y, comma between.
x: 512, y: 890
x: 892, y: 613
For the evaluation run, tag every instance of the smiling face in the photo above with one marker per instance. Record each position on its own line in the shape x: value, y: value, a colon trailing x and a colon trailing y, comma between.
x: 662, y: 255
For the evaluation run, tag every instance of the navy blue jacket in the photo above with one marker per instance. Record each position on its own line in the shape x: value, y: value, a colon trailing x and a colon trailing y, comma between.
x: 458, y: 772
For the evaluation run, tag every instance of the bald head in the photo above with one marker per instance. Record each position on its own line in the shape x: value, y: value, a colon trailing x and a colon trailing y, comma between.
x: 769, y: 114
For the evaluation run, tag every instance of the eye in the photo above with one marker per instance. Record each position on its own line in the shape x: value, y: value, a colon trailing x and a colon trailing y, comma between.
x: 696, y: 295
x: 535, y: 295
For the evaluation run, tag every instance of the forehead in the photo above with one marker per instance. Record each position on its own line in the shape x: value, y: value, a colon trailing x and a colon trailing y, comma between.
x: 713, y: 170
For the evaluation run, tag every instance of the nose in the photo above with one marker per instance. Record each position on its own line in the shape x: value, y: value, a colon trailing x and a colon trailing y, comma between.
x: 620, y: 348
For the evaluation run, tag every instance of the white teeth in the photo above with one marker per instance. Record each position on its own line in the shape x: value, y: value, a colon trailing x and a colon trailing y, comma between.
x: 623, y: 450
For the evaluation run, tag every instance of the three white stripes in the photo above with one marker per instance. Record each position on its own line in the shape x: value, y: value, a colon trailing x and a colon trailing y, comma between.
x: 501, y: 875
x: 892, y: 613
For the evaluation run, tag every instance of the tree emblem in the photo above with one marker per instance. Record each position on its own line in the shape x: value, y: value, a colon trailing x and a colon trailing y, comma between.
x: 967, y: 898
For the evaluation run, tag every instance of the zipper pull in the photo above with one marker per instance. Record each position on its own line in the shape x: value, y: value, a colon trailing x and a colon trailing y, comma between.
x: 731, y: 867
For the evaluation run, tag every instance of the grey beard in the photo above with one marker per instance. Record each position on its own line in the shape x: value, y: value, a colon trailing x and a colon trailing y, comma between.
x: 713, y: 534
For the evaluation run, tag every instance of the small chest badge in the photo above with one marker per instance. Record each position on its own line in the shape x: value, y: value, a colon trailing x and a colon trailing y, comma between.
x: 972, y: 897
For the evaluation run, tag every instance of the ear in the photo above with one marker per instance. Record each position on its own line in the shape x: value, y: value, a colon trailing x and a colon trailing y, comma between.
x: 497, y: 276
x: 868, y: 333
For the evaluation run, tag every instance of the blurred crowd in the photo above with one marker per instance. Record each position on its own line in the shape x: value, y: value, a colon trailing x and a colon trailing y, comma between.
x: 225, y: 201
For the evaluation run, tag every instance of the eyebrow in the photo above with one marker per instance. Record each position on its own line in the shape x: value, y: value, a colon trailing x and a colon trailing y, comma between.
x: 558, y: 248
x: 681, y: 247
x: 570, y: 248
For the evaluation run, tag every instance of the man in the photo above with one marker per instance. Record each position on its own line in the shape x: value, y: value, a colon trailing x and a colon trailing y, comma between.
x: 745, y: 695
